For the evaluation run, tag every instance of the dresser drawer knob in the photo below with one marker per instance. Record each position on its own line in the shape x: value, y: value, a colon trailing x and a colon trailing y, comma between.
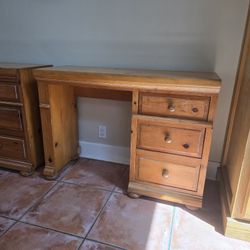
x: 186, y: 146
x: 195, y: 110
x: 171, y: 108
x: 165, y: 173
x: 168, y: 139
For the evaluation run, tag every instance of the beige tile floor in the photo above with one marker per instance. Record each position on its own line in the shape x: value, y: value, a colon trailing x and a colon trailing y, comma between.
x: 87, y: 208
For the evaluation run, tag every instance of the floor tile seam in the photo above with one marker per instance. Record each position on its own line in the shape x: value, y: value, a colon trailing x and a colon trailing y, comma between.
x: 1, y: 236
x: 98, y: 215
x: 65, y: 170
x: 86, y: 185
x: 171, y: 228
x: 52, y: 229
x: 41, y: 197
x: 7, y: 217
x: 120, y: 192
x: 38, y: 201
x: 105, y: 243
x: 82, y: 242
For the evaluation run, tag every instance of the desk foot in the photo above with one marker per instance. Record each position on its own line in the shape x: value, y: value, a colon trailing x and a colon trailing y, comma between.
x: 134, y: 195
x: 26, y: 173
x: 49, y: 173
x: 192, y: 208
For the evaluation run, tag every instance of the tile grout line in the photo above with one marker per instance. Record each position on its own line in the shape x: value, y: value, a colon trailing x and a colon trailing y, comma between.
x: 18, y: 220
x: 98, y: 215
x: 86, y: 186
x: 38, y: 201
x: 57, y: 182
x: 51, y: 229
x: 97, y: 218
x: 96, y: 187
x: 171, y: 228
x: 9, y: 228
x: 107, y: 244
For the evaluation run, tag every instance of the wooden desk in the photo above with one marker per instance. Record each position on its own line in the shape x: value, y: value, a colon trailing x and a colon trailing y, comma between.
x: 172, y: 121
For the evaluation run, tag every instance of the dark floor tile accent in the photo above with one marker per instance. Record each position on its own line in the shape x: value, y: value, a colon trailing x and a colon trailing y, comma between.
x: 27, y: 237
x: 68, y: 208
x: 133, y: 224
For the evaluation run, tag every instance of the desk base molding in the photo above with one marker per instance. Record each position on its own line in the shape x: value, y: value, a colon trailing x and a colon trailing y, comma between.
x: 163, y: 194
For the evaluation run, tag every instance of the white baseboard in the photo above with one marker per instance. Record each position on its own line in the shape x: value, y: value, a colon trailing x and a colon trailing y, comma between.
x: 105, y: 152
x: 121, y: 155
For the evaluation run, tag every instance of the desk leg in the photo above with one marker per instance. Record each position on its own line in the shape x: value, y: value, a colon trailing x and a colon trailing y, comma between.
x: 59, y: 126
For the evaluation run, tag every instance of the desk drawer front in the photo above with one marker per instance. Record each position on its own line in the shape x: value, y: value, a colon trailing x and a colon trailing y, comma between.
x: 13, y: 148
x: 9, y: 92
x: 10, y: 118
x: 154, y: 168
x: 161, y: 136
x: 174, y: 106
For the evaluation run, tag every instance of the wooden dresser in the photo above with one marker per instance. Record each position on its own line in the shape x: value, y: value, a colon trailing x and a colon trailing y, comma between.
x: 172, y: 122
x: 21, y: 145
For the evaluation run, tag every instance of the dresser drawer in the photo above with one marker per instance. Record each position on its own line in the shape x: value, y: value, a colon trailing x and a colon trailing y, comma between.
x: 10, y: 118
x: 9, y: 92
x: 162, y: 169
x: 159, y: 134
x: 13, y: 148
x: 174, y: 106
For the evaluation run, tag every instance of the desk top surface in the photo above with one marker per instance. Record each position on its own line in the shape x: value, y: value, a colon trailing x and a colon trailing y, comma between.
x: 129, y: 79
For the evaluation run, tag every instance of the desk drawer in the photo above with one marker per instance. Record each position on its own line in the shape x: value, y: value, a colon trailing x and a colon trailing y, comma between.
x: 174, y: 106
x: 9, y: 92
x: 167, y: 170
x: 10, y: 118
x: 160, y: 135
x: 13, y: 148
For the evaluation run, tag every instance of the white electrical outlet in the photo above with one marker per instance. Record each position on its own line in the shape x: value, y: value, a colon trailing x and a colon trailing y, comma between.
x: 102, y: 131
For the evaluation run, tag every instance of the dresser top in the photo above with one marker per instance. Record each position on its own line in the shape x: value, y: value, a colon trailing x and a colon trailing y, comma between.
x: 10, y: 70
x: 15, y: 66
x: 129, y: 79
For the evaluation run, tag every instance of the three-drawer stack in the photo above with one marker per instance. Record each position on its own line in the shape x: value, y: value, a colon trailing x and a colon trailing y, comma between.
x: 171, y: 137
x: 20, y: 129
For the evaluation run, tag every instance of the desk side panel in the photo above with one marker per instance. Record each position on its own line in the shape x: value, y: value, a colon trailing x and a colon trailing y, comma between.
x: 59, y: 124
x: 64, y: 124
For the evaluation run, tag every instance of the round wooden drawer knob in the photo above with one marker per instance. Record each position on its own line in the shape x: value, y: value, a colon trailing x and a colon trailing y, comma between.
x: 171, y: 108
x: 195, y: 110
x: 165, y: 173
x: 168, y: 139
x: 186, y: 146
